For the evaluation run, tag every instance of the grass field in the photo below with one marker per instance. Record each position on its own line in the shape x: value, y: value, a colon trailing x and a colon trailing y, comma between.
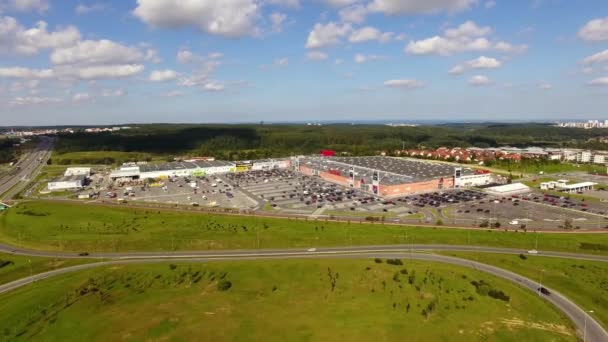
x: 584, y: 282
x: 290, y: 300
x: 101, y: 157
x: 13, y: 267
x: 84, y: 227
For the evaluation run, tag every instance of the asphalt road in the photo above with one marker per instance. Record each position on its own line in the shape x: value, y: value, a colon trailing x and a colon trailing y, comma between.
x: 25, y: 169
x: 584, y: 323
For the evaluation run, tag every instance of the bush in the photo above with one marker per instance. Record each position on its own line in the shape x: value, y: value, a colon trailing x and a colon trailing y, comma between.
x: 497, y: 294
x: 224, y: 285
x: 523, y: 257
x: 484, y: 224
x: 172, y: 267
x: 394, y: 262
x: 378, y: 261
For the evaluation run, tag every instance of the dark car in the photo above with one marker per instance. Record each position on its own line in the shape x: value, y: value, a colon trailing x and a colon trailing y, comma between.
x: 543, y: 291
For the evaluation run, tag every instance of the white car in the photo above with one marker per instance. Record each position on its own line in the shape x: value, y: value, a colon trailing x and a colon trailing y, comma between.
x: 311, y: 250
x: 533, y: 251
x: 514, y: 222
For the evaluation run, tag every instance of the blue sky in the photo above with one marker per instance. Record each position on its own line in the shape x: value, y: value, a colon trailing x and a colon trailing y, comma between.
x: 137, y: 61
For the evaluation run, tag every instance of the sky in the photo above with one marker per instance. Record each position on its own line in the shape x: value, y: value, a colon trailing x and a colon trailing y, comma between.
x: 206, y: 61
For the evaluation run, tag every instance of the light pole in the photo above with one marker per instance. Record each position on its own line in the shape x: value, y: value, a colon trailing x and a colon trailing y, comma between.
x: 585, y: 329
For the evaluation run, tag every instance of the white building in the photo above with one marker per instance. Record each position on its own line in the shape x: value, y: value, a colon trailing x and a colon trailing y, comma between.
x: 584, y: 157
x: 67, y: 183
x: 185, y: 169
x: 473, y: 180
x: 509, y: 189
x: 78, y: 171
x: 599, y: 158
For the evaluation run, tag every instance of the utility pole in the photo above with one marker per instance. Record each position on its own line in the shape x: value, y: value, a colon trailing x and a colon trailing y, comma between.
x: 585, y: 330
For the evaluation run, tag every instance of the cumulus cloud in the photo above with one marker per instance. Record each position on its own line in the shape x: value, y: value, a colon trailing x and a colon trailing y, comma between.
x: 482, y: 62
x: 277, y: 19
x: 600, y: 57
x: 230, y: 18
x: 281, y: 62
x: 403, y: 83
x: 361, y: 58
x: 369, y: 33
x: 339, y: 3
x: 595, y: 30
x: 599, y: 82
x: 286, y: 3
x: 34, y: 100
x: 91, y: 52
x: 26, y: 73
x: 81, y: 97
x: 480, y: 80
x: 329, y: 34
x: 353, y: 14
x: 316, y: 56
x: 83, y: 9
x: 545, y: 86
x: 465, y: 38
x: 395, y: 7
x: 16, y: 39
x: 162, y: 75
x: 40, y: 6
x: 101, y: 71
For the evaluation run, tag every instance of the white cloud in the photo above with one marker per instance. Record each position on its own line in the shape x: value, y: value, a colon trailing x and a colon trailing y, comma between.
x: 213, y: 86
x: 26, y: 73
x: 480, y: 80
x: 81, y: 97
x: 286, y: 3
x: 113, y: 93
x: 403, y: 83
x: 230, y: 18
x: 40, y: 6
x: 162, y: 75
x: 101, y: 71
x: 281, y: 62
x: 481, y: 62
x: 185, y: 56
x: 83, y: 9
x: 395, y: 7
x: 327, y: 35
x: 465, y: 38
x: 595, y: 30
x: 600, y: 82
x: 369, y: 33
x: 360, y: 58
x: 172, y: 93
x: 277, y: 19
x: 490, y: 4
x: 353, y: 14
x: 34, y: 100
x: 316, y: 55
x: 97, y: 52
x: 339, y: 3
x: 545, y: 86
x: 600, y: 57
x: 16, y: 39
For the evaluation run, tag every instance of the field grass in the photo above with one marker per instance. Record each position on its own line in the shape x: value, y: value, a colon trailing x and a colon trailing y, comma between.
x: 360, y: 214
x: 102, y: 157
x: 584, y: 282
x: 290, y: 300
x: 13, y: 267
x: 81, y: 227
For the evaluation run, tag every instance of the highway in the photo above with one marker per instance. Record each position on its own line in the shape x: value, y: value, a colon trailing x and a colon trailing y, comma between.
x: 581, y: 319
x: 26, y: 169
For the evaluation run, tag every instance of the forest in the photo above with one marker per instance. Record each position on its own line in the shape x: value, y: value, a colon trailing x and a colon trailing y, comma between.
x: 7, y: 150
x: 234, y: 142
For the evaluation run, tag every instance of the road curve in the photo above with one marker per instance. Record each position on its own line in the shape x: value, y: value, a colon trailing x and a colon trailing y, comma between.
x: 287, y: 251
x: 594, y: 331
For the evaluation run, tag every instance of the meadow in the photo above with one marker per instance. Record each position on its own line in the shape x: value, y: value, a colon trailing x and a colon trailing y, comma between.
x: 289, y: 300
x: 584, y: 282
x: 77, y: 227
x: 13, y: 267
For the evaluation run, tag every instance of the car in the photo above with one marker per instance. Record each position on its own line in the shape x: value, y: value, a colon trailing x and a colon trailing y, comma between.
x: 83, y: 254
x: 533, y: 251
x: 544, y: 291
x: 514, y: 222
x: 311, y: 250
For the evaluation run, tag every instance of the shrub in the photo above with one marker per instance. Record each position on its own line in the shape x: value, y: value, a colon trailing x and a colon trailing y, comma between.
x: 497, y: 294
x: 224, y: 285
x: 394, y: 261
x: 378, y: 261
x: 523, y: 257
x: 173, y: 267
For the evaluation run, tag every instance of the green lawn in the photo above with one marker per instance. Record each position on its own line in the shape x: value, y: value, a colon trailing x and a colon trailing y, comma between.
x: 13, y: 267
x: 290, y: 300
x: 83, y: 227
x: 101, y: 157
x: 584, y: 282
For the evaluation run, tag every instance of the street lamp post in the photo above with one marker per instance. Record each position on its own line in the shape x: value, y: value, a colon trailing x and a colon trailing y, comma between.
x: 585, y: 329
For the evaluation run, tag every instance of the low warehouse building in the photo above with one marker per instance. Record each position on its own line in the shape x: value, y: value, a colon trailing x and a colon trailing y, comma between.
x: 78, y: 171
x: 508, y: 189
x: 185, y: 169
x: 67, y: 183
x: 389, y: 177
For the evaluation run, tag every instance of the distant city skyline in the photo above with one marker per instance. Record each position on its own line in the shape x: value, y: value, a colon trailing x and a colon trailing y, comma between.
x: 97, y: 62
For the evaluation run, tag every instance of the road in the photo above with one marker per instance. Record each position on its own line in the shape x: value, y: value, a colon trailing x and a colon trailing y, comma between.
x: 594, y: 331
x: 26, y: 169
